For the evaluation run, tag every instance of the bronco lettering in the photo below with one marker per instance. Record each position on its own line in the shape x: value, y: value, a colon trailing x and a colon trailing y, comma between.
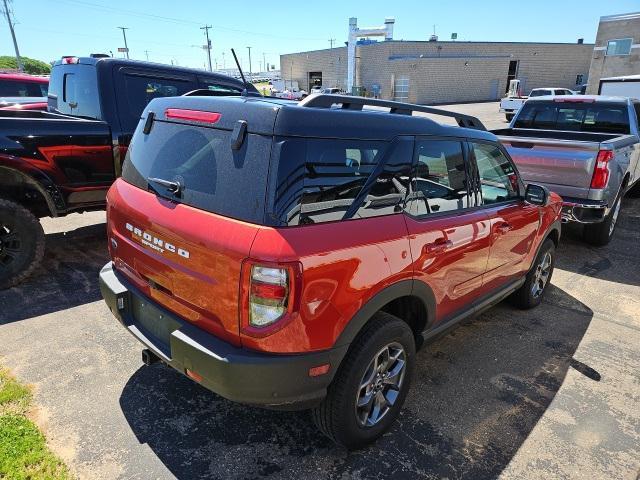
x: 155, y: 243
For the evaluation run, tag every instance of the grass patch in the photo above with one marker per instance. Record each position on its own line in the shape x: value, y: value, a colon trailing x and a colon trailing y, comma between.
x: 23, y: 450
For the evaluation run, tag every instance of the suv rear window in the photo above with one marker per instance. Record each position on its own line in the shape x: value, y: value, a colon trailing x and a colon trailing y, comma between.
x: 581, y: 117
x: 214, y: 177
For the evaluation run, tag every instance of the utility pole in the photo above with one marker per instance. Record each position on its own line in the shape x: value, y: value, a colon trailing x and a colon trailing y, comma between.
x: 250, y: 73
x: 331, y: 40
x: 146, y: 52
x: 264, y: 62
x: 223, y: 65
x: 208, y: 46
x: 124, y: 35
x: 13, y: 35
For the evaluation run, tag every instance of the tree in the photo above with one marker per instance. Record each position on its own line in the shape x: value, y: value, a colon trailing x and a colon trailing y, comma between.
x: 32, y: 66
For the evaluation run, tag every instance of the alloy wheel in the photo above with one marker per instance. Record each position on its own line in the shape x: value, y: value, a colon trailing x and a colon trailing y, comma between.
x: 541, y: 275
x: 380, y: 385
x: 10, y: 245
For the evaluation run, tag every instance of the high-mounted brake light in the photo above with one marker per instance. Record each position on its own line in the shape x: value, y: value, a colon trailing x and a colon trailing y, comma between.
x: 69, y: 60
x: 601, y: 171
x: 574, y: 100
x: 193, y: 115
x: 270, y: 296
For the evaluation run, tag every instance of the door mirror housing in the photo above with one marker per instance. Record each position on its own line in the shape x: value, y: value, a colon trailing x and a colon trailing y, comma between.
x: 536, y: 194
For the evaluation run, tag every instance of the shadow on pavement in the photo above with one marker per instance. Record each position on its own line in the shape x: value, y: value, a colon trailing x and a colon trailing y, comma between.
x: 617, y: 262
x: 477, y: 394
x: 67, y: 276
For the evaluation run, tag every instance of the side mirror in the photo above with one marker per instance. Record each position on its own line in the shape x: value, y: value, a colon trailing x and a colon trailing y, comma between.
x: 536, y: 194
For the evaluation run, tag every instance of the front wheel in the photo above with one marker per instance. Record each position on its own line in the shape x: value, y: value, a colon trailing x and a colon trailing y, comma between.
x: 21, y: 243
x: 600, y: 234
x: 371, y: 385
x: 531, y: 293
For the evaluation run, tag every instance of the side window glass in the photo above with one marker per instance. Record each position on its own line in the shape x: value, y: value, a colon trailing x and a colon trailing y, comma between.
x: 498, y: 179
x: 140, y: 90
x: 439, y: 182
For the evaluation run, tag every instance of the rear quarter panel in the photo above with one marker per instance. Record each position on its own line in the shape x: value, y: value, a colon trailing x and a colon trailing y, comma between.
x: 344, y: 265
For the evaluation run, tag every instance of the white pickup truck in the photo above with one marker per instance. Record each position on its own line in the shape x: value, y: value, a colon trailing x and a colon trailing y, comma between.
x: 510, y: 104
x: 288, y: 89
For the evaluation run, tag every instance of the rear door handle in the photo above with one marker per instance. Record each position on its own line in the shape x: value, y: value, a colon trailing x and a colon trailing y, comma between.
x: 503, y: 228
x: 440, y: 245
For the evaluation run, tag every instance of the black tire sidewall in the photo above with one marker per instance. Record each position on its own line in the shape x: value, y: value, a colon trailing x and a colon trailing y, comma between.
x: 353, y: 435
x: 32, y: 242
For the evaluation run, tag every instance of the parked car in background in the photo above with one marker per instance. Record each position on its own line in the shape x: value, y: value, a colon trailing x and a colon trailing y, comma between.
x: 514, y: 100
x: 23, y: 103
x: 334, y: 91
x: 64, y: 160
x: 586, y: 148
x: 316, y: 89
x: 627, y: 86
x: 23, y: 85
x: 362, y: 235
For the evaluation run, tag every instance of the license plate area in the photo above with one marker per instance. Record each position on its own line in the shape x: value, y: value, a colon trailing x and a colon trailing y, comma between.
x: 154, y: 323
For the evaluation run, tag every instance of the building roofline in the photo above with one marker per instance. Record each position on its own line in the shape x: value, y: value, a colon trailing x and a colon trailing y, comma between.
x: 620, y: 16
x: 428, y: 42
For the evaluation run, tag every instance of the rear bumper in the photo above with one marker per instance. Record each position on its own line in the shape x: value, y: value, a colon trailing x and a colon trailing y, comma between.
x: 583, y: 211
x: 275, y: 381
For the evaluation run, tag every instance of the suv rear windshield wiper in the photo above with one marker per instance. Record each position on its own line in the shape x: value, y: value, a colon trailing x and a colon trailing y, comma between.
x: 173, y: 187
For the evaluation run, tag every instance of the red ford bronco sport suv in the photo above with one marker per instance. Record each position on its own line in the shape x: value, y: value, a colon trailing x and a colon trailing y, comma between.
x: 295, y: 255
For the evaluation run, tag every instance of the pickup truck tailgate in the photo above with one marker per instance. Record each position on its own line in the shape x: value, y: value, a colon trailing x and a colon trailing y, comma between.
x: 566, y: 166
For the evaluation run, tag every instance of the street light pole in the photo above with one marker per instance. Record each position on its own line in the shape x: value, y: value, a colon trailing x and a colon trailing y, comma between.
x: 250, y: 72
x: 264, y: 62
x: 208, y: 46
x: 13, y: 35
x: 124, y: 35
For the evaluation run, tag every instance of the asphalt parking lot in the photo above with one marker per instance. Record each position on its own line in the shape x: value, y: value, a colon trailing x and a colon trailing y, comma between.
x: 553, y: 392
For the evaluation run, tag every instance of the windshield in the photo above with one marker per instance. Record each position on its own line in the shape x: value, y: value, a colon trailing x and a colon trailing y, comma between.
x: 581, y: 117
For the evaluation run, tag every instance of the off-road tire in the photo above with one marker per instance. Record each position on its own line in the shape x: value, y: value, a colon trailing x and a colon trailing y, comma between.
x: 22, y: 246
x: 524, y: 297
x: 600, y: 234
x: 336, y: 415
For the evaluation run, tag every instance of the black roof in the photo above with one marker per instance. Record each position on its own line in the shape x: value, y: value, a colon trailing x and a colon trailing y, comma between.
x: 271, y: 116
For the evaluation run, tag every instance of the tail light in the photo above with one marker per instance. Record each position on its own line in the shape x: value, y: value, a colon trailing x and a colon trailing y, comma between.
x: 601, y: 172
x: 270, y: 296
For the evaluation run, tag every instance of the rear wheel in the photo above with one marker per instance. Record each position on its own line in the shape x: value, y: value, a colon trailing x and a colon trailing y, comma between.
x: 531, y: 293
x: 371, y: 385
x: 600, y: 234
x: 21, y: 243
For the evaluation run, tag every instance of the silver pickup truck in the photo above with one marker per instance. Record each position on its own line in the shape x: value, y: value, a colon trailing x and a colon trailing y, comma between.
x: 585, y: 148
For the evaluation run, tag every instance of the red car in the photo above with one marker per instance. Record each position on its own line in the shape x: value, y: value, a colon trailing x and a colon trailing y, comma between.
x: 23, y: 85
x: 296, y: 255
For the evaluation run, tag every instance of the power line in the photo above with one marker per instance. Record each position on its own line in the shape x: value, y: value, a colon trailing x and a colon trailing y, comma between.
x: 13, y: 35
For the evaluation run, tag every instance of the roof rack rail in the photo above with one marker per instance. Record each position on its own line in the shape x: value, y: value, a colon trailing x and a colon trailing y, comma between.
x: 205, y: 92
x: 325, y: 100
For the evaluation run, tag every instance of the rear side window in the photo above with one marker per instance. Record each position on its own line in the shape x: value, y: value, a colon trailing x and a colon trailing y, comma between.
x: 540, y: 93
x: 440, y: 178
x: 214, y: 177
x: 140, y: 90
x: 322, y: 180
x: 575, y: 116
x: 79, y: 93
x: 17, y: 88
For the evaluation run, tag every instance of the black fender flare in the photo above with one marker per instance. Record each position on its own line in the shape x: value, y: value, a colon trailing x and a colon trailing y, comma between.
x: 403, y: 288
x: 43, y: 184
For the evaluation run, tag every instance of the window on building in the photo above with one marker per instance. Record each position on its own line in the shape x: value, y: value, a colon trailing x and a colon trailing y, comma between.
x: 620, y: 46
x: 579, y: 79
x: 401, y: 90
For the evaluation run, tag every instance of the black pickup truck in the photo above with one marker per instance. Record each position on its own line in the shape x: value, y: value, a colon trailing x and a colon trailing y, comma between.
x: 64, y: 160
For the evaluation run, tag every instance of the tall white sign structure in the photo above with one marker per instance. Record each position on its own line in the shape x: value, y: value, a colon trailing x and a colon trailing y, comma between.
x: 385, y: 31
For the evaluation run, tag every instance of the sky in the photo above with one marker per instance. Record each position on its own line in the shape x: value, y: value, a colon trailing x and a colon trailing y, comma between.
x: 169, y: 31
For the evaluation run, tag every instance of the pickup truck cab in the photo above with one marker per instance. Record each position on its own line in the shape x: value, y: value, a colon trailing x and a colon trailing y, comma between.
x: 294, y: 255
x: 23, y: 85
x: 64, y: 160
x: 511, y: 104
x: 586, y: 148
